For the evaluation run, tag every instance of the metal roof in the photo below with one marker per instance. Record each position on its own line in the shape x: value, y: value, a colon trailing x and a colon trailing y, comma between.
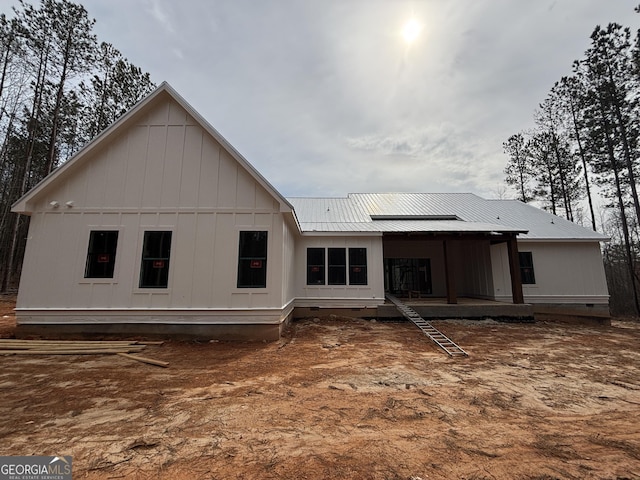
x: 434, y: 213
x: 329, y: 210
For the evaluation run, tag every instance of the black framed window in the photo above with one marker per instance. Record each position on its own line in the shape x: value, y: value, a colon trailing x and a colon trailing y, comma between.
x: 101, y: 254
x: 315, y: 266
x: 252, y: 260
x: 357, y: 266
x: 156, y: 250
x: 526, y: 268
x: 337, y: 266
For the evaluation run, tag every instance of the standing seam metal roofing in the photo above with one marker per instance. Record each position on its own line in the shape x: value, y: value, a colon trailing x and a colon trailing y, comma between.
x: 406, y: 212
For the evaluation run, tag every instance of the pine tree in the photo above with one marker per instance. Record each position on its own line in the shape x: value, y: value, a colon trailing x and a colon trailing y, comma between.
x: 74, y: 48
x: 519, y: 170
x: 562, y: 168
x: 47, y: 53
x: 609, y: 61
x: 116, y: 86
x: 567, y: 92
x: 589, y: 128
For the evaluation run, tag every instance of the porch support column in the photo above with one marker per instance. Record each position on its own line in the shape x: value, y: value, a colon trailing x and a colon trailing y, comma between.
x: 514, y: 270
x: 449, y: 271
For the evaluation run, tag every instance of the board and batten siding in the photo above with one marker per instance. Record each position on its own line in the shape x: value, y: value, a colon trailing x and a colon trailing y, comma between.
x: 473, y: 269
x: 163, y: 172
x: 565, y: 273
x: 289, y: 240
x: 340, y: 296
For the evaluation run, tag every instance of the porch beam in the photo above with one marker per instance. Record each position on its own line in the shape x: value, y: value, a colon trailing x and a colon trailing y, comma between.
x: 514, y: 270
x: 440, y: 237
x: 449, y: 271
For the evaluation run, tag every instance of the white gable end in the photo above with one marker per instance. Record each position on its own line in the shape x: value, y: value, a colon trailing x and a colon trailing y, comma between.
x: 165, y: 160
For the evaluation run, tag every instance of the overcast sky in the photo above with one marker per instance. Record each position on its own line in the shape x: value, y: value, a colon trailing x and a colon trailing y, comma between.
x: 325, y: 97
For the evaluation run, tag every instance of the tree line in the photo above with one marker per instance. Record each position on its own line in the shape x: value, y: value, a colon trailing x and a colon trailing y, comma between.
x: 59, y: 88
x: 583, y: 153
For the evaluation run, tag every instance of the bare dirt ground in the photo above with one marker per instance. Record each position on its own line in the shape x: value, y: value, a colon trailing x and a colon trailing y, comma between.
x: 339, y: 398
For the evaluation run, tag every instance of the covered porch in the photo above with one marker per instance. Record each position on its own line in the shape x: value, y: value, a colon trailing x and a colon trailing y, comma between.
x: 450, y: 275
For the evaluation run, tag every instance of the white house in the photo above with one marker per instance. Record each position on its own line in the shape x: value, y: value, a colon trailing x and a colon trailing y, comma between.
x: 160, y: 225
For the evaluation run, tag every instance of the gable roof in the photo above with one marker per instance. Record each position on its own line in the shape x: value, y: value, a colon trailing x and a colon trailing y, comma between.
x: 434, y: 213
x: 542, y: 225
x: 358, y: 213
x: 22, y: 205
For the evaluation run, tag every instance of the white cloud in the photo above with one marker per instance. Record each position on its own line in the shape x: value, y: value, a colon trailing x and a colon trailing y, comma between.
x: 441, y: 158
x: 325, y: 98
x: 160, y: 14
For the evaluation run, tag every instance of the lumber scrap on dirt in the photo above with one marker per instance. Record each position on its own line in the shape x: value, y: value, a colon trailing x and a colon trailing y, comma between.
x: 78, y: 347
x: 66, y: 351
x: 150, y: 361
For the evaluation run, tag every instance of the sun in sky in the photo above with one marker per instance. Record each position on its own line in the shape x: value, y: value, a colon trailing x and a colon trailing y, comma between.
x: 411, y: 30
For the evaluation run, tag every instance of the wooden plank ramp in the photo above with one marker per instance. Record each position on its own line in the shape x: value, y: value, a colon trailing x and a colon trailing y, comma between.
x: 439, y: 338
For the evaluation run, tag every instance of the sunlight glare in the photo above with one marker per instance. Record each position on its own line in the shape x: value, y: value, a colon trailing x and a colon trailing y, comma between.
x: 411, y: 30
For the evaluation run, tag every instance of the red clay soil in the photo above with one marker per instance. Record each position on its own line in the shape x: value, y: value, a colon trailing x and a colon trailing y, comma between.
x: 339, y: 398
